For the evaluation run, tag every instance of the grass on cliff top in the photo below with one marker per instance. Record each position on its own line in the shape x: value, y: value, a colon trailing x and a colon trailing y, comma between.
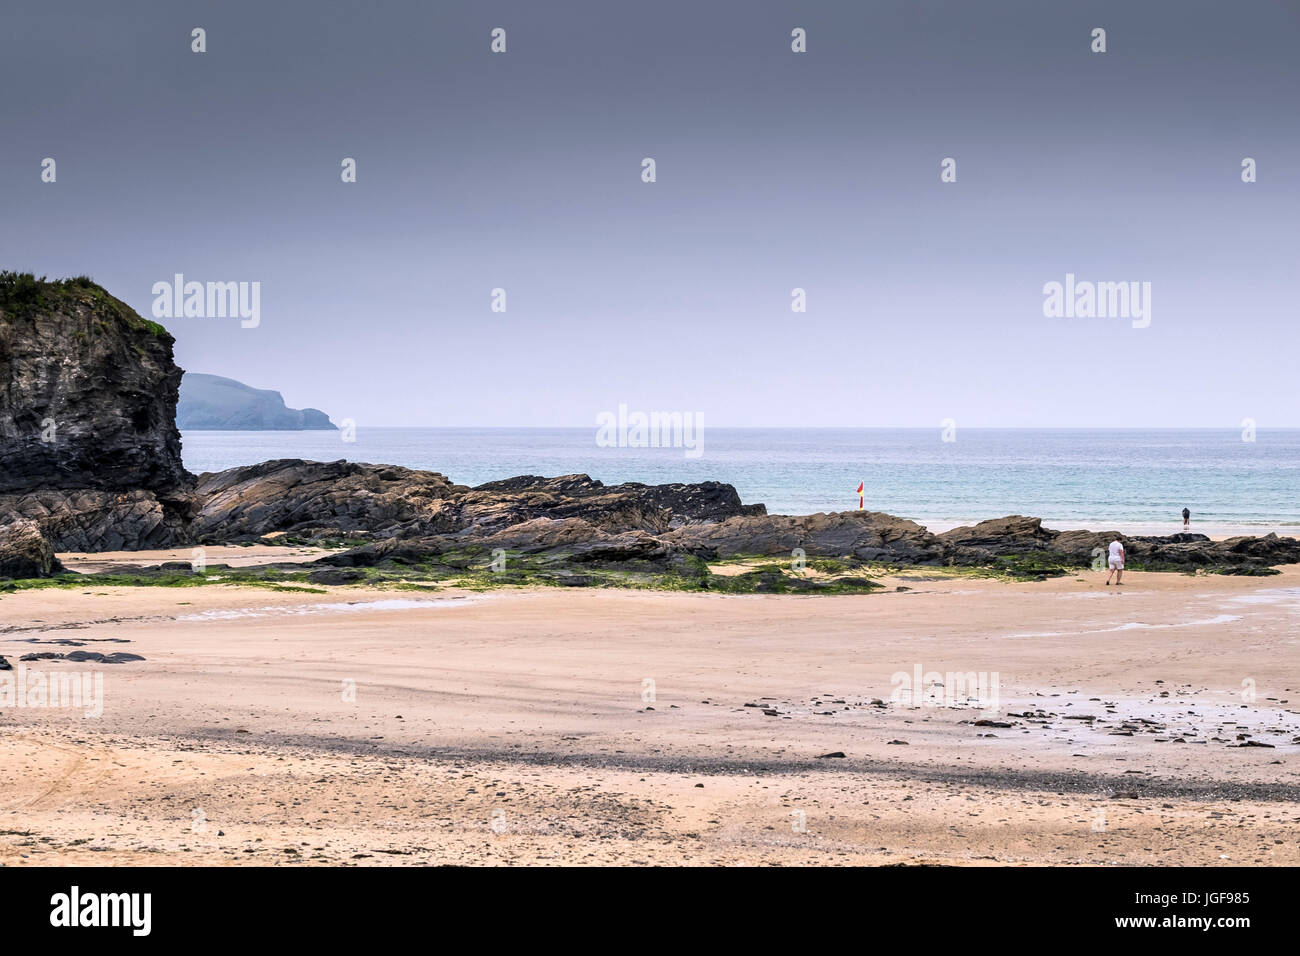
x: 23, y: 293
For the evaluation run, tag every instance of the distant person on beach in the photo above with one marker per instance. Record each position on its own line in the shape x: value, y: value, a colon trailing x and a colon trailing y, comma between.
x: 1187, y: 519
x: 1116, y: 562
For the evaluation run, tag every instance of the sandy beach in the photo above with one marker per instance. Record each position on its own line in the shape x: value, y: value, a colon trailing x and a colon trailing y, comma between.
x: 592, y: 726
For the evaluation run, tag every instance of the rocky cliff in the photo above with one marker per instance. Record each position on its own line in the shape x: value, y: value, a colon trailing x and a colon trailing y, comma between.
x: 88, y: 392
x: 88, y: 442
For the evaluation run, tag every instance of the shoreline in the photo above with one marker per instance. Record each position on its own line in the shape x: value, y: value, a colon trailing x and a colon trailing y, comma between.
x: 527, y: 707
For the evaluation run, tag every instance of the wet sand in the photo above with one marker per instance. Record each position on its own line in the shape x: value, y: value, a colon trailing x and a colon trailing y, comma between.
x: 519, y: 727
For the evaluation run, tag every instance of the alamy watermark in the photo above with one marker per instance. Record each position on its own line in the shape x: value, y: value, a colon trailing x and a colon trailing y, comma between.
x: 38, y: 690
x: 626, y: 429
x: 74, y: 908
x: 1098, y: 300
x: 179, y: 299
x: 922, y: 688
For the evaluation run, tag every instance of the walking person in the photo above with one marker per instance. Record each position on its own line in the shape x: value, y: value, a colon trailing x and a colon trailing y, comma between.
x: 1116, y: 562
x: 1187, y: 519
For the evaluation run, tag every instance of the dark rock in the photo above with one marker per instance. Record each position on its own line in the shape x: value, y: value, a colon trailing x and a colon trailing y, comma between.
x: 575, y: 580
x: 92, y: 520
x: 291, y: 495
x: 685, y: 503
x: 117, y: 657
x: 88, y: 392
x: 395, y: 550
x: 1009, y: 535
x: 25, y: 552
x: 865, y: 535
x: 335, y: 576
x: 88, y: 437
x: 342, y: 497
x: 837, y: 753
x: 1018, y: 536
x: 4, y: 664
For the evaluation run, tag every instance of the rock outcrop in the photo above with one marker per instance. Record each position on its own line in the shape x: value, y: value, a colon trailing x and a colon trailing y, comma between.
x: 211, y: 402
x: 346, y: 499
x: 25, y: 552
x: 103, y: 520
x: 88, y: 442
x: 88, y: 392
x: 868, y: 536
x: 323, y: 499
x: 1016, y: 536
x: 1013, y: 534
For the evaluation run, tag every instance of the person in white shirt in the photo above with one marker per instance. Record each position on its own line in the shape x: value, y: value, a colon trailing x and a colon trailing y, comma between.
x: 1116, y: 562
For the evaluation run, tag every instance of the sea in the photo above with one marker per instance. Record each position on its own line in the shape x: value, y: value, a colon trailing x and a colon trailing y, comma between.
x: 1132, y: 480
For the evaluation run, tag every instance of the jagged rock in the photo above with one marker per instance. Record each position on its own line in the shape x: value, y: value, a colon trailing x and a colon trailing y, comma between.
x: 628, y: 546
x: 25, y: 552
x: 864, y: 535
x: 396, y: 550
x: 1009, y: 535
x: 336, y: 576
x: 1081, y: 547
x: 87, y: 392
x: 539, y: 534
x: 613, y: 508
x: 88, y: 441
x: 1016, y: 535
x: 686, y: 503
x: 91, y: 520
x: 337, y: 497
x: 342, y: 497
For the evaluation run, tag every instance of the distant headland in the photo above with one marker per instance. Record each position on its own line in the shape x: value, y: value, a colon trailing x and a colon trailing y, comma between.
x: 215, y: 403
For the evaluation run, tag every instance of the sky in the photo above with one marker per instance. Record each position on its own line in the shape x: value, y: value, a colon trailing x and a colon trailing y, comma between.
x: 774, y: 170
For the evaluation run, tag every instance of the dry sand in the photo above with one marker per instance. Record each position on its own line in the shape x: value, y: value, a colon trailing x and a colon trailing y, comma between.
x: 510, y: 726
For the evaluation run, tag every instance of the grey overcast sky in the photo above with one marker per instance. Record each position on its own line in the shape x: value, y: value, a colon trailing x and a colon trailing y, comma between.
x: 775, y: 170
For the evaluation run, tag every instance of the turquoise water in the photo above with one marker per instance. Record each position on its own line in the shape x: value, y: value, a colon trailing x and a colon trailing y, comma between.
x: 1127, y: 479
